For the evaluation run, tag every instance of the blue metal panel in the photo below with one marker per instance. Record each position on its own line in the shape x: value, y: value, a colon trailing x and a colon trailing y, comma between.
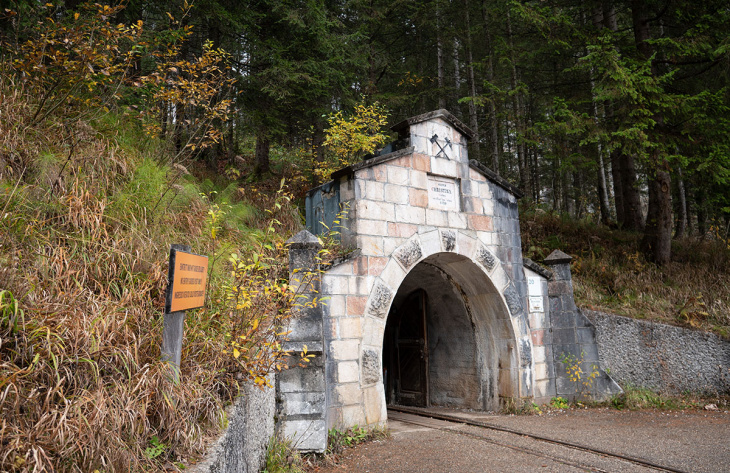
x: 322, y: 205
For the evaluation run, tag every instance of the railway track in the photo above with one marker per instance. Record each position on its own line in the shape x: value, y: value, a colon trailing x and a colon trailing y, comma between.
x: 455, y: 420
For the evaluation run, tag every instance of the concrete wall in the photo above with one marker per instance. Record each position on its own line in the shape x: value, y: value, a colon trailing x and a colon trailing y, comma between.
x: 242, y: 446
x: 453, y: 365
x: 661, y: 357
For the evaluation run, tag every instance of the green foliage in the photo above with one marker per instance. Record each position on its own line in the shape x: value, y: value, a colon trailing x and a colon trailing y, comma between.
x: 574, y: 369
x: 75, y: 59
x: 260, y: 301
x: 12, y: 315
x: 338, y: 440
x: 195, y: 89
x: 559, y: 403
x: 349, y: 137
x: 155, y: 449
x: 520, y: 407
x: 281, y: 457
x: 216, y: 215
x: 635, y: 398
x: 331, y: 237
x: 84, y: 238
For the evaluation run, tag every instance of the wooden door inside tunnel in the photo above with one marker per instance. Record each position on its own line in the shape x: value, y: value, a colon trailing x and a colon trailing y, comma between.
x: 406, y: 352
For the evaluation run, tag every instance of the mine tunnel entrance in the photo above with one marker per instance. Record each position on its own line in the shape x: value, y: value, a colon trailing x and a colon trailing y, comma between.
x: 406, y: 352
x: 430, y: 352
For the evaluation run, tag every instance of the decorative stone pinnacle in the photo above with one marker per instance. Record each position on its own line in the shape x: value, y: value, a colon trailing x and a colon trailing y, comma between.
x: 557, y: 257
x: 303, y: 239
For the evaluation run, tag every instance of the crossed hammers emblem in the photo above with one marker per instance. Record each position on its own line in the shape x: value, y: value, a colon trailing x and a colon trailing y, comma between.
x: 434, y: 139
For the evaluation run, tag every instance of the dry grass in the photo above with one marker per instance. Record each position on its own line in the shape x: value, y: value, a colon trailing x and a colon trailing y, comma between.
x: 610, y: 273
x: 81, y: 387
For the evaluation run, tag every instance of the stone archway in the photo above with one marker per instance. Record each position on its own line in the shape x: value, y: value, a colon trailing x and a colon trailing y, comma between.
x: 473, y: 276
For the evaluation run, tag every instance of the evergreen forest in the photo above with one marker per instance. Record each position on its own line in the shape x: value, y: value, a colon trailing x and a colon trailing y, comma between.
x: 125, y: 127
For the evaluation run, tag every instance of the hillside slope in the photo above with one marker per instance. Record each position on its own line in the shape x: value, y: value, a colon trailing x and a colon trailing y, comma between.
x: 89, y: 209
x: 611, y: 274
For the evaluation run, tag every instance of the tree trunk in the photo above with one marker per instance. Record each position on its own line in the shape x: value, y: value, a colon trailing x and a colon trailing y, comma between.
x: 178, y: 129
x: 473, y: 121
x: 568, y: 203
x: 682, y: 221
x: 492, y: 102
x: 597, y: 18
x: 457, y: 73
x: 517, y: 110
x: 317, y: 149
x: 632, y: 201
x: 577, y: 194
x: 657, y: 240
x: 261, y: 160
x: 163, y: 120
x: 231, y: 144
x: 623, y: 171
x: 440, y: 59
x: 535, y: 177
x: 618, y: 194
x: 556, y: 187
x: 602, y: 190
x: 701, y: 204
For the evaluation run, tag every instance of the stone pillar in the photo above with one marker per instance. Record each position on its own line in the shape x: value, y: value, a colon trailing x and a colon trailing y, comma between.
x: 301, y: 402
x: 572, y: 335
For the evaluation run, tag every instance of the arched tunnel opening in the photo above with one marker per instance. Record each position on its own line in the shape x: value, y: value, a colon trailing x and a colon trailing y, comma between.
x: 447, y: 338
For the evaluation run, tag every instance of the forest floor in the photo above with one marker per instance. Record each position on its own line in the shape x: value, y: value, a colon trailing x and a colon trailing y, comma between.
x: 610, y: 273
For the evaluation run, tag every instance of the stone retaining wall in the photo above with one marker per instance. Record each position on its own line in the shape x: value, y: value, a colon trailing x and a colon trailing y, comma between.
x: 661, y: 357
x: 242, y: 446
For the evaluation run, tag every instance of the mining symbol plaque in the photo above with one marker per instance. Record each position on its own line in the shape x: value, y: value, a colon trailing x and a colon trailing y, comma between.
x: 187, y: 278
x: 442, y: 193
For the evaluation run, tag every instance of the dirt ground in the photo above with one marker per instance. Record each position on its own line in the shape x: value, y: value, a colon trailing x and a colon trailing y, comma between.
x: 691, y: 441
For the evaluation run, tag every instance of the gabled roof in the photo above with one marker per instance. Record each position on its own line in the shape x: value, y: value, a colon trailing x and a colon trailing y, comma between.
x: 402, y: 127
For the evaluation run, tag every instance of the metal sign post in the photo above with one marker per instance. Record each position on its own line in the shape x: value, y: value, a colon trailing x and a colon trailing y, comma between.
x: 187, y: 277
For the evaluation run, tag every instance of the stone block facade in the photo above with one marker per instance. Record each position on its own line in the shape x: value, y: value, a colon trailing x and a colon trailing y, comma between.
x: 422, y: 219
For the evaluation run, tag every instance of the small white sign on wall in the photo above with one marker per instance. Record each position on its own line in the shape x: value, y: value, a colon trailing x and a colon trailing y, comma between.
x: 534, y: 286
x: 535, y: 293
x: 536, y: 304
x: 443, y: 193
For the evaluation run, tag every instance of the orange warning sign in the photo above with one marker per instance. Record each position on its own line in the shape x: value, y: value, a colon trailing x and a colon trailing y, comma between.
x: 188, y: 274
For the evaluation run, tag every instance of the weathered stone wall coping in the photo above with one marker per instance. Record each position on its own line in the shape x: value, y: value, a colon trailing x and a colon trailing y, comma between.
x: 346, y: 171
x: 402, y: 127
x: 544, y: 272
x: 496, y: 178
x: 242, y: 446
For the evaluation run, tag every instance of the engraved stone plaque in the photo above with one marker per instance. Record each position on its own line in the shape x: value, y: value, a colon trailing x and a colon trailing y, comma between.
x: 443, y: 193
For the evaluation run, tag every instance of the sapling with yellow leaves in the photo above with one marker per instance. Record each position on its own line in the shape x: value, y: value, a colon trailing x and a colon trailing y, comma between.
x: 351, y: 136
x: 574, y: 369
x: 260, y: 301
